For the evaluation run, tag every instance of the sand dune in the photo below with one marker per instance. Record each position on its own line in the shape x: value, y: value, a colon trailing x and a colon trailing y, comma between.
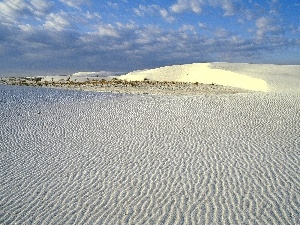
x: 74, y: 157
x: 279, y: 78
x: 202, y: 73
x: 227, y: 78
x: 254, y: 77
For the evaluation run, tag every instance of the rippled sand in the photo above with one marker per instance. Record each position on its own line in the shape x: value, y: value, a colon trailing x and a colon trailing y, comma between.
x: 72, y: 157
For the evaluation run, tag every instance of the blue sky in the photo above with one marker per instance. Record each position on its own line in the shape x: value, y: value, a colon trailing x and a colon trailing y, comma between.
x: 65, y: 36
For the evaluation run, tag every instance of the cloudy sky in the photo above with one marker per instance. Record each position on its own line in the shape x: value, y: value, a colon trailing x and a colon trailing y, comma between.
x: 66, y: 36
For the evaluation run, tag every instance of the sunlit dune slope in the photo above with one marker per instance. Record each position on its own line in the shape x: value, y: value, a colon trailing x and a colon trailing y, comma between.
x: 202, y: 73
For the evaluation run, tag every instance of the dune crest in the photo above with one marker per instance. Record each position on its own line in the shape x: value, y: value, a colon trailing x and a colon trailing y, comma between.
x: 199, y: 72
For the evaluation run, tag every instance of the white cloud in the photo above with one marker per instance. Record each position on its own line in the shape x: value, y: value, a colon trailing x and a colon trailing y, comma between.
x: 75, y: 3
x: 186, y: 27
x: 293, y: 29
x: 236, y: 40
x: 113, y: 5
x: 221, y: 33
x: 40, y: 7
x: 186, y: 5
x: 186, y: 30
x: 228, y: 7
x: 266, y: 25
x: 153, y: 10
x: 91, y: 16
x: 11, y: 11
x: 165, y: 15
x: 127, y: 26
x: 56, y: 21
x: 107, y: 30
x: 138, y: 11
x: 202, y: 25
x: 147, y: 35
x: 262, y: 25
x: 27, y: 28
x: 196, y: 6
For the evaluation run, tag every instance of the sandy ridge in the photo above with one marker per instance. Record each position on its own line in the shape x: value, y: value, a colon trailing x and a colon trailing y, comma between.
x: 187, y: 79
x: 179, y: 79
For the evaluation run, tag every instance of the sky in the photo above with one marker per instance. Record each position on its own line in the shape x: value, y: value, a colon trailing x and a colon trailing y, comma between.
x: 40, y: 37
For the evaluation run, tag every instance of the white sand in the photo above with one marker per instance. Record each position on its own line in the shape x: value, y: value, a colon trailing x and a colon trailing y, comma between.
x: 202, y: 73
x: 70, y: 157
x: 279, y: 78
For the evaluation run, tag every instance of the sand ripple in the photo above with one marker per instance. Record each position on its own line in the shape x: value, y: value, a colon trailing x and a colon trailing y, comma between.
x: 136, y: 159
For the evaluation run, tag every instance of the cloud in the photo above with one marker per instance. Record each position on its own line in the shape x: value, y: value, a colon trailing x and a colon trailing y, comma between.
x: 12, y: 10
x: 266, y: 25
x: 57, y: 21
x: 186, y: 27
x: 293, y: 29
x: 9, y: 10
x: 153, y: 10
x: 37, y: 35
x: 221, y: 33
x: 107, y: 30
x: 75, y: 3
x: 141, y: 10
x: 186, y: 5
x: 197, y: 6
x: 40, y: 7
x: 120, y: 46
x: 26, y: 28
x: 113, y: 5
x: 202, y: 25
x: 165, y: 15
x: 92, y: 16
x: 229, y: 8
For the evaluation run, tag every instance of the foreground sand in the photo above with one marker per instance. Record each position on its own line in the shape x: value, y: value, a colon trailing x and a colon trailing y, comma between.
x: 82, y: 158
x: 73, y: 157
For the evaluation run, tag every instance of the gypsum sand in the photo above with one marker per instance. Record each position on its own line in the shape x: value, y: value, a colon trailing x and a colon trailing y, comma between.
x: 71, y: 157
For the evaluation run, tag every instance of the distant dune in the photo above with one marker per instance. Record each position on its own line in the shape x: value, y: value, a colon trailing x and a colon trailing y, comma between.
x: 235, y: 77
